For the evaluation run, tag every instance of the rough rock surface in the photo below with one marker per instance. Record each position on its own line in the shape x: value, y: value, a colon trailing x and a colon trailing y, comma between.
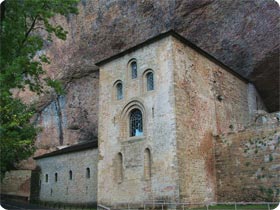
x: 242, y: 34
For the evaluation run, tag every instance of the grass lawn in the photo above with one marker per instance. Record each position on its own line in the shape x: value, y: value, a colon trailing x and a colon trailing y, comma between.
x: 238, y: 207
x: 216, y: 207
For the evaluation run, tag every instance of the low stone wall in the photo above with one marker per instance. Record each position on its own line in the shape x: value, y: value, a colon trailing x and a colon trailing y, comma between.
x: 248, y: 164
x: 16, y: 183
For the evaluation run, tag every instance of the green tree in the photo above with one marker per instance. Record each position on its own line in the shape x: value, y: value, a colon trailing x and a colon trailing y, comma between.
x: 26, y: 25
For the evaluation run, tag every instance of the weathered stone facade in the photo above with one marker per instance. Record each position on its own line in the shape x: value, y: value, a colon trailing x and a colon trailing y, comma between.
x: 159, y: 136
x: 56, y: 185
x: 16, y: 183
x: 191, y: 143
x: 248, y: 162
x: 195, y: 98
x: 208, y: 103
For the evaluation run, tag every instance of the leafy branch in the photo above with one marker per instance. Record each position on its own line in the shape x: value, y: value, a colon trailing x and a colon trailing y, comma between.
x: 23, y: 24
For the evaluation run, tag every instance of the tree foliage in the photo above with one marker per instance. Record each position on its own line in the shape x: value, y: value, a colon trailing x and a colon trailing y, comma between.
x: 26, y: 26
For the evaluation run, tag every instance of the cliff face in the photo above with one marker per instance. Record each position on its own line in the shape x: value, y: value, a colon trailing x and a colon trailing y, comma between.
x: 242, y: 34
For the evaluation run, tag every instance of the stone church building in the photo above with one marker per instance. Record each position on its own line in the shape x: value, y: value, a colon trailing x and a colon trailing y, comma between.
x: 161, y: 104
x: 172, y: 126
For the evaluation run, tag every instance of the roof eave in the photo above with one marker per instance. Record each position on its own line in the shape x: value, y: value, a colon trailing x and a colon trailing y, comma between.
x: 70, y: 149
x: 180, y: 38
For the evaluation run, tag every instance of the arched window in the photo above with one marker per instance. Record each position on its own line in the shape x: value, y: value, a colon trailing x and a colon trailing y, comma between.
x: 133, y: 66
x: 88, y: 173
x: 147, y: 164
x: 55, y: 177
x: 119, y: 89
x: 47, y: 177
x: 150, y: 81
x: 70, y: 175
x: 136, y: 123
x: 120, y: 167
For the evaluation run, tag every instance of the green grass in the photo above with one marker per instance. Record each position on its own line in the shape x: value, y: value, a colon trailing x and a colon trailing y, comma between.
x: 217, y: 207
x: 238, y: 207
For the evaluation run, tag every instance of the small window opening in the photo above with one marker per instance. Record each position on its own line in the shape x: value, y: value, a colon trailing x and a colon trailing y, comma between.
x: 88, y: 173
x: 220, y: 97
x: 150, y: 81
x: 47, y: 177
x: 136, y: 123
x: 70, y: 175
x: 133, y: 66
x: 55, y: 177
x: 119, y: 91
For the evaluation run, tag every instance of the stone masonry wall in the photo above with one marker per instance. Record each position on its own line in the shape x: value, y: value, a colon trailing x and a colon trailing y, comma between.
x: 209, y: 100
x: 16, y: 182
x: 248, y: 164
x: 79, y: 190
x: 157, y: 107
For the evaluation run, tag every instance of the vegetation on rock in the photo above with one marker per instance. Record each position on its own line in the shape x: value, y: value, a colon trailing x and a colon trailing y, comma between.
x: 26, y: 26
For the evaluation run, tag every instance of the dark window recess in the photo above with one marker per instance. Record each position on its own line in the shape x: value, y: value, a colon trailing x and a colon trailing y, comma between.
x: 136, y: 123
x: 88, y: 173
x: 133, y: 70
x: 119, y: 91
x: 150, y: 81
x: 220, y: 97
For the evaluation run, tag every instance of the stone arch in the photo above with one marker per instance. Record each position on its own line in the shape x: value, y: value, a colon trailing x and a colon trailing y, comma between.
x: 119, y: 167
x: 125, y: 116
x: 147, y: 164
